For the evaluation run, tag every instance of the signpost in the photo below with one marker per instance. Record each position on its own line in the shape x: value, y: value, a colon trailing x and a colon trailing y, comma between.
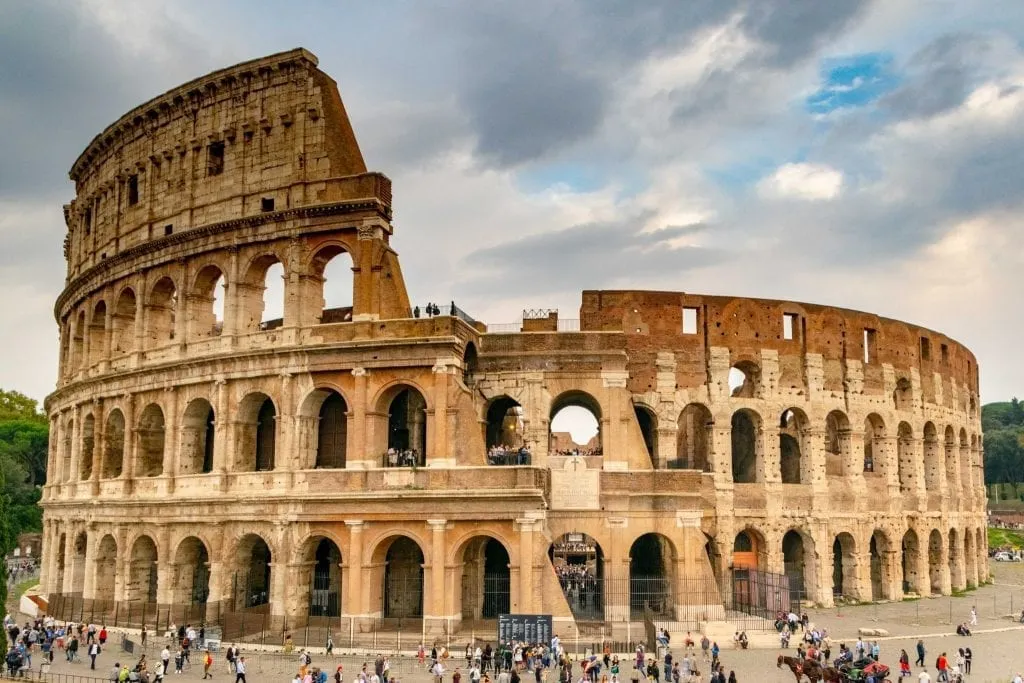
x: 524, y: 628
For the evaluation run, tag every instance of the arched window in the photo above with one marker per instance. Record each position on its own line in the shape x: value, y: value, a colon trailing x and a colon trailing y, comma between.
x: 88, y: 445
x: 874, y: 443
x: 575, y: 427
x: 902, y: 397
x: 161, y: 310
x: 151, y: 442
x: 469, y: 364
x: 192, y: 572
x: 261, y: 295
x: 794, y: 440
x: 693, y: 450
x: 252, y: 582
x: 113, y: 451
x: 407, y: 427
x: 837, y: 443
x: 123, y: 323
x: 746, y: 447
x: 333, y: 265
x: 257, y: 434
x: 505, y: 433
x: 906, y: 465
x: 207, y: 303
x: 198, y: 435
x: 266, y: 436
x: 485, y: 578
x: 98, y: 334
x: 142, y: 574
x: 648, y: 423
x: 578, y: 561
x: 78, y: 342
x: 403, y: 579
x: 745, y: 380
x: 332, y: 432
x: 651, y: 571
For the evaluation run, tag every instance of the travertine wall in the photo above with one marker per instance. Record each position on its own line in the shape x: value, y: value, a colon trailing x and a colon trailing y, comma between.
x: 189, y: 449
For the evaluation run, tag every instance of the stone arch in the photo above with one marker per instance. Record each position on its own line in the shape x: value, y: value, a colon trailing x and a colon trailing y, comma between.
x: 85, y: 465
x: 325, y: 414
x: 583, y: 409
x: 123, y: 323
x: 331, y: 269
x: 838, y: 446
x: 254, y: 307
x: 504, y: 423
x: 933, y: 461
x: 105, y: 568
x: 470, y: 364
x: 578, y: 560
x: 883, y: 572
x: 902, y: 396
x: 844, y: 567
x: 191, y: 572
x: 647, y: 420
x: 652, y: 564
x: 405, y: 406
x: 911, y: 579
x: 956, y: 561
x: 253, y: 582
x: 256, y: 445
x: 398, y: 560
x: 486, y: 577
x: 206, y: 302
x: 936, y: 561
x: 794, y: 447
x: 749, y: 549
x: 745, y: 379
x: 874, y: 444
x: 319, y: 594
x: 161, y: 310
x: 906, y: 465
x: 152, y: 439
x: 198, y: 438
x: 747, y: 456
x: 98, y: 333
x: 798, y: 559
x: 693, y: 438
x: 142, y: 570
x: 113, y: 445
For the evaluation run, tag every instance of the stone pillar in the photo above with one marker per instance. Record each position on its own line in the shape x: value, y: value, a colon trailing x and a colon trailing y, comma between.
x: 438, y: 603
x: 98, y: 437
x: 69, y: 560
x: 76, y: 450
x: 526, y: 560
x: 815, y: 466
x: 172, y: 437
x: 438, y: 453
x: 223, y: 434
x: 92, y: 544
x: 769, y: 465
x: 721, y: 454
x: 287, y: 453
x: 232, y: 298
x: 139, y: 331
x: 356, y: 601
x: 359, y: 451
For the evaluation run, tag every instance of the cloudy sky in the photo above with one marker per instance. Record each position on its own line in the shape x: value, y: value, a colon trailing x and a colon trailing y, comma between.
x: 857, y: 153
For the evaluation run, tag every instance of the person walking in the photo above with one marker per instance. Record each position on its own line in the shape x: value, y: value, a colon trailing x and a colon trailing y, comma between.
x: 94, y: 651
x: 165, y: 657
x: 974, y: 616
x: 207, y: 663
x: 904, y: 664
x: 114, y: 672
x: 968, y: 656
x: 920, y: 654
x: 240, y: 670
x: 330, y: 645
x: 942, y: 665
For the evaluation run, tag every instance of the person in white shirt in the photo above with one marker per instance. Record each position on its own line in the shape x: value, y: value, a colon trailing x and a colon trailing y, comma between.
x: 240, y: 670
x: 923, y: 677
x: 165, y: 657
x: 438, y: 671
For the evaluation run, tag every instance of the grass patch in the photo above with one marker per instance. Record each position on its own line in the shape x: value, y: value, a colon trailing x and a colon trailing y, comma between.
x: 21, y: 587
x: 1001, y: 538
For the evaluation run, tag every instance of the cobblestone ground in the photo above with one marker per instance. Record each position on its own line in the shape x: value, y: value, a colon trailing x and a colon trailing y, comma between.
x: 998, y: 643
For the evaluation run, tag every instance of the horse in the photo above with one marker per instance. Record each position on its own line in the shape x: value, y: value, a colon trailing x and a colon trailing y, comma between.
x: 797, y: 666
x: 811, y: 669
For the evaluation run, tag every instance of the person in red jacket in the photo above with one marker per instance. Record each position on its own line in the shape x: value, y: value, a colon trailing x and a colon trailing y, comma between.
x: 103, y: 635
x: 943, y: 666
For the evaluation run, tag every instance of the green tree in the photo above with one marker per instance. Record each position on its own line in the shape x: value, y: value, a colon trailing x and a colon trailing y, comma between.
x: 17, y: 406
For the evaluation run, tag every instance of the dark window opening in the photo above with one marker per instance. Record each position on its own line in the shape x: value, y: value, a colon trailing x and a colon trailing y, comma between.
x: 944, y: 349
x: 133, y: 190
x: 926, y: 348
x: 247, y: 136
x: 88, y: 221
x: 215, y: 159
x: 267, y: 204
x: 103, y: 256
x: 168, y: 229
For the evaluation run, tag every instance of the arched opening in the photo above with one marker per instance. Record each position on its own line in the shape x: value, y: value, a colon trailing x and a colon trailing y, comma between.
x: 952, y: 471
x: 65, y: 442
x: 881, y: 571
x: 905, y: 465
x: 579, y: 565
x: 261, y: 295
x: 693, y: 440
x: 105, y: 569
x: 750, y: 592
x: 403, y: 579
x: 749, y: 550
x: 123, y: 323
x: 407, y: 428
x: 956, y: 561
x: 78, y: 342
x: 61, y: 562
x: 470, y: 364
x: 912, y: 580
x: 98, y: 334
x: 257, y: 434
x: 333, y: 266
x: 933, y: 462
x: 794, y: 428
x: 844, y: 567
x: 88, y: 445
x: 325, y: 582
x: 797, y: 563
x: 965, y: 467
x: 252, y: 578
x: 207, y: 303
x: 78, y: 566
x: 332, y: 432
x: 192, y: 573
x: 198, y: 434
x: 837, y: 443
x: 151, y: 442
x: 745, y: 380
x: 485, y: 579
x: 902, y: 397
x: 652, y: 560
x: 113, y: 447
x: 648, y: 423
x: 142, y: 571
x: 505, y: 433
x: 874, y: 444
x: 936, y: 561
x: 746, y: 446
x: 161, y: 310
x: 575, y: 425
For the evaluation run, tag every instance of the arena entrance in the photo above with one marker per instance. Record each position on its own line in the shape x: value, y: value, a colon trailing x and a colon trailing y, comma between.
x: 325, y: 580
x: 192, y: 580
x: 579, y: 565
x: 795, y: 560
x: 652, y: 561
x: 485, y: 579
x: 403, y: 580
x: 252, y: 582
x: 844, y: 567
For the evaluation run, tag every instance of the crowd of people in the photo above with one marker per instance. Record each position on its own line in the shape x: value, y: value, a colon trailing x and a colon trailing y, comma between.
x: 579, y: 584
x: 408, y: 457
x: 508, y: 455
x: 18, y: 569
x: 579, y: 451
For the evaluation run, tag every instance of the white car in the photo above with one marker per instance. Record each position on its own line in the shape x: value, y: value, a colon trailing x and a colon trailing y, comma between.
x: 1003, y: 556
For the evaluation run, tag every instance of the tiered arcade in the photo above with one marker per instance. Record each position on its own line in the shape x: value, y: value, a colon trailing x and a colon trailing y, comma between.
x: 208, y: 458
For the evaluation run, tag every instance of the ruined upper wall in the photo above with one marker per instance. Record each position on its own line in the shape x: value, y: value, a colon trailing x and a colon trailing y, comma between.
x: 262, y: 136
x: 653, y: 322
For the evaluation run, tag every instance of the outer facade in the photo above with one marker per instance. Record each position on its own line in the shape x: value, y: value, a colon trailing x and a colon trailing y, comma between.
x: 228, y: 463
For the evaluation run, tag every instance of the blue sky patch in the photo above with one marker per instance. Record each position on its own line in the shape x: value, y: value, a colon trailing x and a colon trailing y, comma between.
x: 853, y: 81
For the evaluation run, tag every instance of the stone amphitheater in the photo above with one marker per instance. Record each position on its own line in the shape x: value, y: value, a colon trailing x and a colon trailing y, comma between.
x: 380, y: 464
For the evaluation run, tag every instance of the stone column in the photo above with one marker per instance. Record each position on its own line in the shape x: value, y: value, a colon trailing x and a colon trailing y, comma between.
x: 131, y: 444
x: 815, y: 466
x: 438, y: 453
x: 69, y: 560
x: 76, y: 450
x: 98, y: 437
x: 223, y: 434
x: 172, y: 437
x: 92, y: 544
x: 526, y: 526
x: 232, y: 298
x: 769, y: 465
x: 439, y: 602
x: 355, y: 599
x: 359, y: 451
x: 139, y: 331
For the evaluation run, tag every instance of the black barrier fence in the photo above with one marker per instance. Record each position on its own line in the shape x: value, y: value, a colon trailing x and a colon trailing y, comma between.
x: 601, y: 608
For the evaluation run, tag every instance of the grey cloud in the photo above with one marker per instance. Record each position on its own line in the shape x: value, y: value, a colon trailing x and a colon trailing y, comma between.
x: 794, y: 28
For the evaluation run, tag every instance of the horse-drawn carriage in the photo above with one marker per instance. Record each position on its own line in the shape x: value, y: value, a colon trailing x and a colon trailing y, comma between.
x: 848, y: 672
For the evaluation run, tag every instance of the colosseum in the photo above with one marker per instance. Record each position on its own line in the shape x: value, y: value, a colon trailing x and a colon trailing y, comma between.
x: 374, y: 465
